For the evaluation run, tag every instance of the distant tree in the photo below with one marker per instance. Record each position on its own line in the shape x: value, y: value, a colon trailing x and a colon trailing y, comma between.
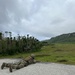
x: 6, y: 33
x: 0, y: 35
x: 10, y: 34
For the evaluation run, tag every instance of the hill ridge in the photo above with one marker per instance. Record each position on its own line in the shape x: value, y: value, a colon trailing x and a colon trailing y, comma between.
x: 63, y: 38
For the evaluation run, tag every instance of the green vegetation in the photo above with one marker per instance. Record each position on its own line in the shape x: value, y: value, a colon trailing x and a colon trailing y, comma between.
x: 64, y: 38
x: 60, y: 50
x: 58, y: 53
x: 22, y: 44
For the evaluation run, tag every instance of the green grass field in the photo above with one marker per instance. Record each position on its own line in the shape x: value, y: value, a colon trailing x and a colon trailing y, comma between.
x: 58, y: 53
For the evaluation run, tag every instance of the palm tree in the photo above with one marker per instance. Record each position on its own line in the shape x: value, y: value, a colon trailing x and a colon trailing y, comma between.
x: 0, y: 36
x: 6, y: 33
x: 10, y: 41
x: 10, y: 34
x: 27, y: 35
x: 0, y: 42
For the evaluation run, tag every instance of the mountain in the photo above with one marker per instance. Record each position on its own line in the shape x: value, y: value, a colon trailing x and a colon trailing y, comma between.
x: 64, y: 38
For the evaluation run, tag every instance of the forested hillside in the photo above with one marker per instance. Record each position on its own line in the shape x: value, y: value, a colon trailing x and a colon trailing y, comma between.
x: 64, y: 38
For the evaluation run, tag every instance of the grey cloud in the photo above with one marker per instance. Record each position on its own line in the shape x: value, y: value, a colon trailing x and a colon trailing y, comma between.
x: 41, y: 18
x: 57, y: 21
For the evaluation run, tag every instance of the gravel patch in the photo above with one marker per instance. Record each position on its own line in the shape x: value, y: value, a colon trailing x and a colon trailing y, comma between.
x: 39, y: 69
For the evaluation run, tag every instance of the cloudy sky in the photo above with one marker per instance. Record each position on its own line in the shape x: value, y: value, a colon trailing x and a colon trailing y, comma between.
x: 40, y: 18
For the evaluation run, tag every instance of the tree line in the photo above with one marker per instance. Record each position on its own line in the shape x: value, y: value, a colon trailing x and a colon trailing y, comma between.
x: 11, y: 45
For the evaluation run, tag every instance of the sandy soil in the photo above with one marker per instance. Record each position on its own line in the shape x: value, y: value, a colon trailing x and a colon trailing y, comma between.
x: 39, y: 69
